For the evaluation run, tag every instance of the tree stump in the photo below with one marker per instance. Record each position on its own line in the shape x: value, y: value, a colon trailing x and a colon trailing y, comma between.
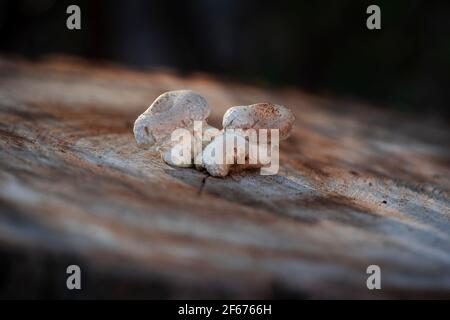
x: 357, y: 186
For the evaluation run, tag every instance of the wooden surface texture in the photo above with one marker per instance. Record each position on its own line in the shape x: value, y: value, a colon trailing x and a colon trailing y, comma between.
x: 357, y: 186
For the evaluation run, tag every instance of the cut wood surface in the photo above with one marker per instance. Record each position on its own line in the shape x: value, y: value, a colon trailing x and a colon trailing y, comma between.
x: 357, y: 186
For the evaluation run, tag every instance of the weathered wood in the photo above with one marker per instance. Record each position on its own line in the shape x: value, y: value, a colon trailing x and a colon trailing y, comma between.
x: 357, y: 186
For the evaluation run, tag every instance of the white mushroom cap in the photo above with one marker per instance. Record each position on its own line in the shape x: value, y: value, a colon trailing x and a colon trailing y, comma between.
x: 260, y: 116
x: 171, y: 110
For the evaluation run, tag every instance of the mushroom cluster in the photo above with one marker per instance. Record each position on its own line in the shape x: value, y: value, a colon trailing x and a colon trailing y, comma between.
x: 187, y: 111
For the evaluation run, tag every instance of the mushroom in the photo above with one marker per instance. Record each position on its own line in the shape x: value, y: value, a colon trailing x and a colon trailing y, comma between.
x: 176, y: 124
x: 260, y: 116
x: 171, y: 111
x: 236, y: 124
x: 227, y: 151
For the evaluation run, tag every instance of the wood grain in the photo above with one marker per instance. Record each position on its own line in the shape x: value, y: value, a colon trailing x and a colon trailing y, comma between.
x: 357, y: 186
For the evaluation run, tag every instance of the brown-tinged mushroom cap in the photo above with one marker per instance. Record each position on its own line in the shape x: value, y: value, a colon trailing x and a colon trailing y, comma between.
x: 260, y: 116
x: 171, y: 110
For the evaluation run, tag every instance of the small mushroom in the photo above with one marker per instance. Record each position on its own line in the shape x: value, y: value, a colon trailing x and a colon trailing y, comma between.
x: 260, y: 116
x: 226, y: 151
x: 170, y: 111
x: 218, y: 151
x: 239, y: 119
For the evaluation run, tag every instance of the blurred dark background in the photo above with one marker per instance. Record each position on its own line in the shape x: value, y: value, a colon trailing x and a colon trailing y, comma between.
x: 321, y: 46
